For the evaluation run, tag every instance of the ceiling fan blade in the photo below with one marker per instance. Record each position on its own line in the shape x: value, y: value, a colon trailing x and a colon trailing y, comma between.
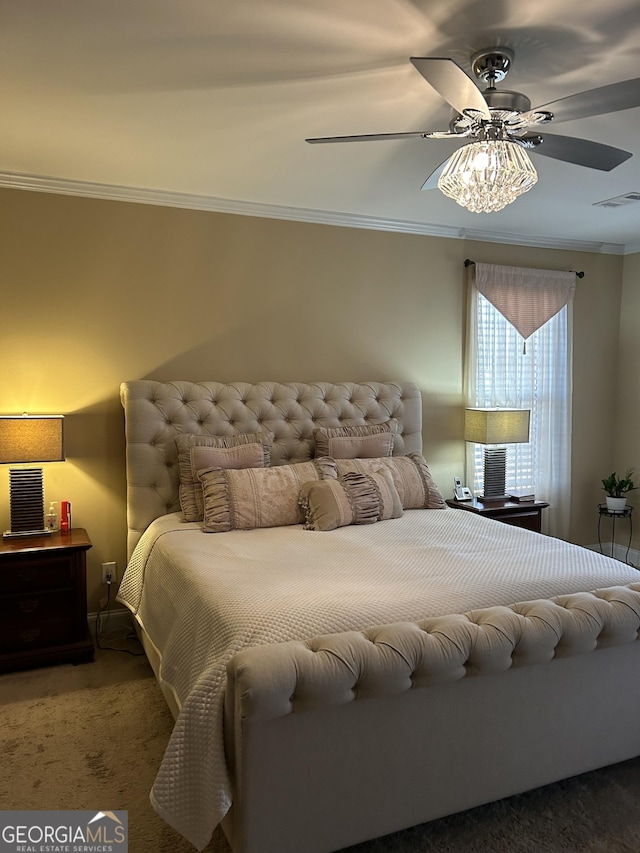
x: 455, y: 86
x: 596, y: 102
x: 432, y: 181
x: 594, y: 155
x: 369, y: 137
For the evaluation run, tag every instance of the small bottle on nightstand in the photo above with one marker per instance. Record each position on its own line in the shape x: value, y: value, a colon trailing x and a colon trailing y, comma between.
x: 65, y: 516
x: 52, y: 517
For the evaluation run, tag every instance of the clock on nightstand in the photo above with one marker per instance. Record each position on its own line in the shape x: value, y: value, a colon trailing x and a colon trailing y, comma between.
x: 526, y: 514
x: 43, y: 601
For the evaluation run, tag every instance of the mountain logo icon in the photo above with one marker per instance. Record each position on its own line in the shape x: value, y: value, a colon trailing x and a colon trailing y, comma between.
x: 111, y: 815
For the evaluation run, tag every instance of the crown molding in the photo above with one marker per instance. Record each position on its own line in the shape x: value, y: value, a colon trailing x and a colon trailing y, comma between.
x: 191, y: 201
x: 543, y: 242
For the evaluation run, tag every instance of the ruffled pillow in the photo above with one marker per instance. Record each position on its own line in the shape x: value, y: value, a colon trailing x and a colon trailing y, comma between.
x: 350, y: 499
x: 411, y: 476
x: 356, y: 442
x: 258, y: 497
x: 245, y: 450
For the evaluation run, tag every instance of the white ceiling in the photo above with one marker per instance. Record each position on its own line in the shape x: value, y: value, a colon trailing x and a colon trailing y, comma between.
x: 169, y: 99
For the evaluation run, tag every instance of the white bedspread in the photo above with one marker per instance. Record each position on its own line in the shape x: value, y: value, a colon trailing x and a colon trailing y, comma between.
x: 203, y: 597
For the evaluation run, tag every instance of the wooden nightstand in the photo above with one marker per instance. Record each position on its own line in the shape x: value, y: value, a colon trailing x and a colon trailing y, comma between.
x: 526, y: 514
x: 43, y: 601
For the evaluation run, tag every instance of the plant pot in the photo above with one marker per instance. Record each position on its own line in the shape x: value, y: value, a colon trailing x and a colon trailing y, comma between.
x: 616, y: 504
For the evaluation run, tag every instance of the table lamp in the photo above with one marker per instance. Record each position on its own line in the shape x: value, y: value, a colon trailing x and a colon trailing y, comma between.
x: 496, y: 427
x: 27, y: 439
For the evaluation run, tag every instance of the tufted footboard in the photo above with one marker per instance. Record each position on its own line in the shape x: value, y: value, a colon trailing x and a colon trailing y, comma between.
x: 349, y: 736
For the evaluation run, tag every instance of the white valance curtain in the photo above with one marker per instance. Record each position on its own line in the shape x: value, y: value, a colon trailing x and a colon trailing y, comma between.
x: 506, y: 305
x: 528, y: 298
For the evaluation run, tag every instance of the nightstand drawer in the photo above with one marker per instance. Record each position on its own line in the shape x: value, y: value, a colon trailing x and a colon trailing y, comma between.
x: 29, y: 574
x: 41, y: 604
x: 32, y: 632
x: 528, y: 520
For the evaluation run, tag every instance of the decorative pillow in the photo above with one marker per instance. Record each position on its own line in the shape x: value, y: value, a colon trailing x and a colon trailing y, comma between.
x: 356, y: 442
x: 351, y: 499
x: 258, y: 497
x: 410, y: 474
x: 245, y: 450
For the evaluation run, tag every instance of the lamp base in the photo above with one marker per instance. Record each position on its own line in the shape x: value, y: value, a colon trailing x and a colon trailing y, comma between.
x: 488, y: 498
x: 495, y: 466
x: 26, y: 507
x: 19, y: 534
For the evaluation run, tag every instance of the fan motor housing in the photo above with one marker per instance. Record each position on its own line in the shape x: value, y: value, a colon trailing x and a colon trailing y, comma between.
x: 503, y: 99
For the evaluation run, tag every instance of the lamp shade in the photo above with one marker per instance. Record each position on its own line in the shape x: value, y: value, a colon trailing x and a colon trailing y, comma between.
x: 31, y: 438
x: 497, y: 426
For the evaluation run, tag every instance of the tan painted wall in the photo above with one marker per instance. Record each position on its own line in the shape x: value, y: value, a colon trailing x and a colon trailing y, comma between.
x: 626, y: 447
x: 96, y: 292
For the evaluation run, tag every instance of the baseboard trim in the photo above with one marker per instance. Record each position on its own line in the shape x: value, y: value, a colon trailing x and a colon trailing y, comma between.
x: 111, y: 620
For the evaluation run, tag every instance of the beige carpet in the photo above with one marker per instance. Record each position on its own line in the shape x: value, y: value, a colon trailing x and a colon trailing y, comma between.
x: 91, y: 737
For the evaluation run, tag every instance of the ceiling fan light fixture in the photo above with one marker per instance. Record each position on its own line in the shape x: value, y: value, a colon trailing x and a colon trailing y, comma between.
x: 488, y: 175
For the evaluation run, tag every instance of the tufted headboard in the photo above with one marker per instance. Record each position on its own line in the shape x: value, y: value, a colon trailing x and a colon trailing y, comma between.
x: 155, y: 412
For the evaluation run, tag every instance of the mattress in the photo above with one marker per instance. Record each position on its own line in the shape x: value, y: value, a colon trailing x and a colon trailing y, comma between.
x: 201, y: 598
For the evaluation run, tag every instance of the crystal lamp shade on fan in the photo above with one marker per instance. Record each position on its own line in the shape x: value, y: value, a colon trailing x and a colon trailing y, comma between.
x: 25, y: 439
x: 488, y: 175
x: 496, y: 427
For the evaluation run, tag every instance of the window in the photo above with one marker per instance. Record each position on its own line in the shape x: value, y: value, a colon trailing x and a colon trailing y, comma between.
x: 503, y: 370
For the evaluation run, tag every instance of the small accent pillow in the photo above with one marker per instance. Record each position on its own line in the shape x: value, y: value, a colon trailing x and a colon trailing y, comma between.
x: 410, y: 474
x: 351, y: 499
x: 356, y: 442
x: 245, y: 450
x: 258, y: 497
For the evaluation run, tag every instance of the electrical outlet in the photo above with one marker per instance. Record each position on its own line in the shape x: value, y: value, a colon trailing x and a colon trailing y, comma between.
x: 108, y: 572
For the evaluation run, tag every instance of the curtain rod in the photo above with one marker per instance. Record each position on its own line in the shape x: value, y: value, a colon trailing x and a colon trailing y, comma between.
x: 469, y: 263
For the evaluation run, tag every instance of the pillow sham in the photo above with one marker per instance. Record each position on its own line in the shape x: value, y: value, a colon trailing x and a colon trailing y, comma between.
x: 244, y: 499
x: 244, y: 450
x: 411, y: 476
x: 350, y: 499
x: 356, y: 442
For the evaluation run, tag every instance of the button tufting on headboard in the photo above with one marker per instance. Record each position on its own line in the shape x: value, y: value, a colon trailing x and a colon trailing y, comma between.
x: 155, y: 412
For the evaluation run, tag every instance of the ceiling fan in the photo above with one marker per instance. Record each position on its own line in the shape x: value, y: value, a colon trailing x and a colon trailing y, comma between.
x: 495, y: 116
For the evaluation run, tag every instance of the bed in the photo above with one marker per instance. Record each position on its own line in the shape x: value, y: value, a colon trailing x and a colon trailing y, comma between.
x: 334, y: 685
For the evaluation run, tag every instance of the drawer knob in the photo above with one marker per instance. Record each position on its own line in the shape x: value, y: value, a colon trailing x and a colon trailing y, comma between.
x: 29, y: 605
x: 26, y: 574
x: 30, y: 635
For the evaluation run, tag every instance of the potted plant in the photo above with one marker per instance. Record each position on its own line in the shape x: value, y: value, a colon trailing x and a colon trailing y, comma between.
x: 617, y: 489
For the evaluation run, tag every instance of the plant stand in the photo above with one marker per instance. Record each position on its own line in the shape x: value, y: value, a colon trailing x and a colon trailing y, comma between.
x: 614, y: 515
